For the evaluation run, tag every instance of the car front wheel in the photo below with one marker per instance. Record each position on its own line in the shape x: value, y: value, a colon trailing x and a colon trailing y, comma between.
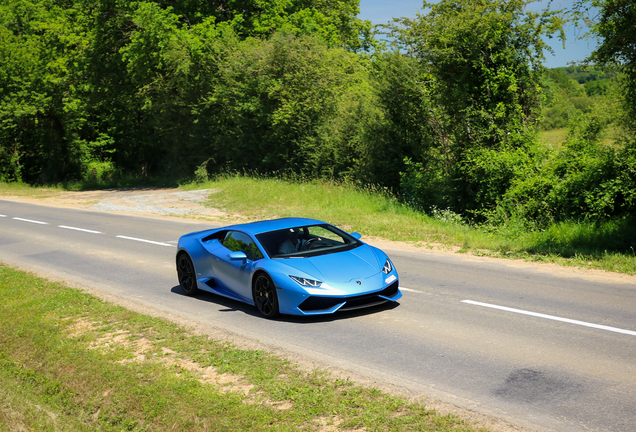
x: 265, y: 297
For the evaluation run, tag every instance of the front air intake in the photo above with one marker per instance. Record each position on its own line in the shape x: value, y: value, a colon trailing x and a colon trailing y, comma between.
x: 320, y: 303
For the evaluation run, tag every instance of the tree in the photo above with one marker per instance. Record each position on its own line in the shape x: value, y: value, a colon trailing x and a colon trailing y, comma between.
x: 615, y: 25
x: 42, y: 91
x: 335, y: 21
x: 480, y: 63
x: 120, y: 85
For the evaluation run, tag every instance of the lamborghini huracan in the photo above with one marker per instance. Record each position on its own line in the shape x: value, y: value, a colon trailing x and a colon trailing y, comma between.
x: 292, y: 266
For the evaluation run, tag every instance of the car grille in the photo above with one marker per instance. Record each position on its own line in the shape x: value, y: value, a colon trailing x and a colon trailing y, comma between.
x: 317, y: 304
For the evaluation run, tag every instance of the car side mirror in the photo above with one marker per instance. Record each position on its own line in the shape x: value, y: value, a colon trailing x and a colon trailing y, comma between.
x: 237, y: 255
x: 356, y: 236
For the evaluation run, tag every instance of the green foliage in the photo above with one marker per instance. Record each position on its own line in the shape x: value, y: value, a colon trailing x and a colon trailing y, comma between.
x: 584, y: 74
x: 405, y: 123
x: 614, y: 23
x: 597, y: 88
x: 286, y: 103
x: 423, y: 185
x: 481, y: 57
x: 480, y: 66
x: 570, y: 92
x: 583, y: 180
x: 201, y: 173
x: 130, y: 84
x: 42, y: 102
x: 289, y: 103
x: 334, y: 21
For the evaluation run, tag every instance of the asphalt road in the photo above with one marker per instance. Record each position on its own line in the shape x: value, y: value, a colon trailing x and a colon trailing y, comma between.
x: 541, y: 349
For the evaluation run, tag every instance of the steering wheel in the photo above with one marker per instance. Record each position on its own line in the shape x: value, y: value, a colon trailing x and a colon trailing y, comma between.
x: 309, y: 243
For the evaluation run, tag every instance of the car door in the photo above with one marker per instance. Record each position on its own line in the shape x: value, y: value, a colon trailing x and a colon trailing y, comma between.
x: 235, y: 274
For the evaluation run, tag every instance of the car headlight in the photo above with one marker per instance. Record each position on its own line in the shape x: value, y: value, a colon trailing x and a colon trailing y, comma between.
x: 388, y: 267
x: 306, y: 282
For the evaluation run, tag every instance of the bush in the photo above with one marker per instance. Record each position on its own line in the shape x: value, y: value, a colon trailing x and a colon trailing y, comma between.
x: 585, y: 180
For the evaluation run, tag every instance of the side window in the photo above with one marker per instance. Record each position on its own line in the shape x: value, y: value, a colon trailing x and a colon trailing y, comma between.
x: 238, y: 241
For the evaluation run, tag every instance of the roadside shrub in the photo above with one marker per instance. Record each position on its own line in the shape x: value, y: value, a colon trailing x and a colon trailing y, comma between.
x: 586, y: 180
x: 99, y: 171
x: 424, y: 186
x: 486, y: 175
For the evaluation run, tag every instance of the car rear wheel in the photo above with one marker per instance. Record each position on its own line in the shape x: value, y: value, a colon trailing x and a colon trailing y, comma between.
x: 185, y: 272
x: 265, y: 297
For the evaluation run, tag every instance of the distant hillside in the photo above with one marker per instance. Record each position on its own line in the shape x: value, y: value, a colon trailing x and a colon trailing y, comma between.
x: 571, y: 91
x: 584, y: 74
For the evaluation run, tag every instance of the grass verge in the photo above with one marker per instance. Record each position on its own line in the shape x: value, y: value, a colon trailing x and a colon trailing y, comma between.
x: 25, y: 190
x: 375, y: 213
x: 71, y: 362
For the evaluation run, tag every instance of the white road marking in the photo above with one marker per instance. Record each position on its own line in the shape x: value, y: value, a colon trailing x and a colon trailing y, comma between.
x: 550, y: 317
x: 32, y: 221
x: 146, y: 241
x: 3, y: 215
x: 408, y: 289
x: 79, y: 229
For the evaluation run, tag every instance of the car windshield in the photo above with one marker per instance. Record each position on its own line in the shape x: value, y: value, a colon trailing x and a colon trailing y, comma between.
x: 305, y: 241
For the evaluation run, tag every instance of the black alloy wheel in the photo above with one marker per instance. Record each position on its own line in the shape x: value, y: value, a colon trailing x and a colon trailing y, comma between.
x: 265, y: 298
x: 187, y: 277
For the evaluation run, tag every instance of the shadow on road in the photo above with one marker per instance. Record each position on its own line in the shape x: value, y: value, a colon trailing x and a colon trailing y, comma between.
x: 237, y: 306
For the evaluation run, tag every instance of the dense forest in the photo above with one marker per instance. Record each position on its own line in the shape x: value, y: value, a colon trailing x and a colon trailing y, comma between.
x: 447, y: 114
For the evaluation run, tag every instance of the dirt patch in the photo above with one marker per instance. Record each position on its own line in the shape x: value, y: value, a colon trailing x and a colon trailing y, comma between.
x: 141, y: 351
x: 141, y: 201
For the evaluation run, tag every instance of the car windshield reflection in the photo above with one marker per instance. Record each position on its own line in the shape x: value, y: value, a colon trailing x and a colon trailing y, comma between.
x: 306, y: 241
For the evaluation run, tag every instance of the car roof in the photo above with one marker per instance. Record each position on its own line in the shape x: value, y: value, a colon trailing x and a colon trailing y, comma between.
x: 259, y: 227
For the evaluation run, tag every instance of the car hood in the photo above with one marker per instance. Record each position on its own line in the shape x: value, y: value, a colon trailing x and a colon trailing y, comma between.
x: 341, y: 267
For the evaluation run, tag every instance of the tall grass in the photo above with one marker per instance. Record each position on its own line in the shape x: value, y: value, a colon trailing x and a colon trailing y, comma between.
x: 369, y: 211
x: 375, y: 212
x: 129, y: 181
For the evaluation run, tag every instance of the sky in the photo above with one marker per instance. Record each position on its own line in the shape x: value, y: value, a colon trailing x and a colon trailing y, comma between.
x: 382, y: 11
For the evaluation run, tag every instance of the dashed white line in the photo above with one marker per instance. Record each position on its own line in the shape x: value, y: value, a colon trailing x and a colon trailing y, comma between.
x: 79, y: 229
x: 554, y: 318
x: 32, y: 221
x: 96, y: 232
x: 146, y: 241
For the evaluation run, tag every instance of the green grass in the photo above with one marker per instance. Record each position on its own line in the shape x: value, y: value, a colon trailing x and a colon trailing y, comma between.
x: 367, y: 211
x: 554, y: 136
x: 375, y: 213
x: 71, y: 362
x: 25, y: 190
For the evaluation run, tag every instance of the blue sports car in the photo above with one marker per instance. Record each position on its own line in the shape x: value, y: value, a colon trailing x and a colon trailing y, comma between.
x: 289, y: 266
